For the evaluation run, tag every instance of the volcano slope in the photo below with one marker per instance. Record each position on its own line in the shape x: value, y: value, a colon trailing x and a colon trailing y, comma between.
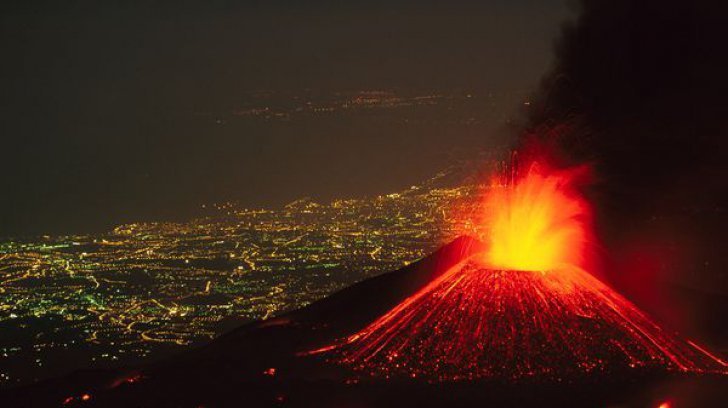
x: 474, y: 322
x: 444, y: 331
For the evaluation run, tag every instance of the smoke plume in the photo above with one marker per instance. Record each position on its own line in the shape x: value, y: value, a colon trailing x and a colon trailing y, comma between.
x: 640, y: 90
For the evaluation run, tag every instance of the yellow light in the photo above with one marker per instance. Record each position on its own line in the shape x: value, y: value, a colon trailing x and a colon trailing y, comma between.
x: 538, y: 224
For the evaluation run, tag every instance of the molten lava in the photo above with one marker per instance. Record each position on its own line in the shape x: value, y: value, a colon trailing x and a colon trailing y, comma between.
x: 537, y: 223
x: 524, y: 307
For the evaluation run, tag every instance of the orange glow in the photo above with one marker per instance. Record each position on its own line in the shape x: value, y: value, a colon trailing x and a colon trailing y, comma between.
x: 538, y: 222
x: 665, y: 404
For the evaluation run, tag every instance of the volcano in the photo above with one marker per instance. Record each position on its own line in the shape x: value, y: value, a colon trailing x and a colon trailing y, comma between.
x: 474, y: 322
x: 521, y: 306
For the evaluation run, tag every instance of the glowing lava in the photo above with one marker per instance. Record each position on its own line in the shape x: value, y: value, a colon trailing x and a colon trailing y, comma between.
x: 537, y: 223
x: 525, y: 307
x: 474, y: 322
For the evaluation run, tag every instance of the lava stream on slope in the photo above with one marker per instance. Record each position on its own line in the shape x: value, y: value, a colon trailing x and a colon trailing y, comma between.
x: 475, y: 322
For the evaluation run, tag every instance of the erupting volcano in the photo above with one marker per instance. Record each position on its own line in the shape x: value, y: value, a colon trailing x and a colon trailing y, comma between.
x: 524, y: 307
x: 513, y: 318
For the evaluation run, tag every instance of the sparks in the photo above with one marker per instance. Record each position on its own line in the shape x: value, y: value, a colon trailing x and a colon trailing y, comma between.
x: 539, y: 222
x: 474, y: 322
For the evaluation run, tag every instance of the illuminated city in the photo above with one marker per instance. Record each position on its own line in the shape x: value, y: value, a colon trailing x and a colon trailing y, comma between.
x: 143, y: 289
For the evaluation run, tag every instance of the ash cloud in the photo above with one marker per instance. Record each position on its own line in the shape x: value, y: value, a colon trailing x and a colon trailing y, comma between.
x: 643, y: 86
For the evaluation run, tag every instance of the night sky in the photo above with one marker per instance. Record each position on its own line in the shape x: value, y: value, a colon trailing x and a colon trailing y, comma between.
x: 108, y: 110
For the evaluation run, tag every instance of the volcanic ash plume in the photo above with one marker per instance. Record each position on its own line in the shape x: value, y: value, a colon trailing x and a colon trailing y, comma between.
x: 487, y: 317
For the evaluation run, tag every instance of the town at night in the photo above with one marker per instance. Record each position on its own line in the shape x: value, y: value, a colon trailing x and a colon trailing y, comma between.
x: 142, y: 289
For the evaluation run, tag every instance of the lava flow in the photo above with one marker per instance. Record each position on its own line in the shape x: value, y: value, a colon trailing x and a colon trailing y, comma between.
x: 525, y: 307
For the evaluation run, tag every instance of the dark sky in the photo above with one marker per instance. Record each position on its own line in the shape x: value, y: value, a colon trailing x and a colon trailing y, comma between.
x: 106, y: 109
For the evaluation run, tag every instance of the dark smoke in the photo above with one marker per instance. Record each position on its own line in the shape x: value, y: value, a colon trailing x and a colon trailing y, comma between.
x: 640, y: 90
x: 644, y: 88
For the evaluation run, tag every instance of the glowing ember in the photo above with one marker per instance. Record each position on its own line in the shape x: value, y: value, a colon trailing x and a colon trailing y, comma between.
x: 491, y: 316
x: 538, y: 223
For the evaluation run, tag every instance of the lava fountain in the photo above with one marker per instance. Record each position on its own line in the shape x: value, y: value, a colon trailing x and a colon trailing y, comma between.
x: 524, y: 307
x: 537, y: 222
